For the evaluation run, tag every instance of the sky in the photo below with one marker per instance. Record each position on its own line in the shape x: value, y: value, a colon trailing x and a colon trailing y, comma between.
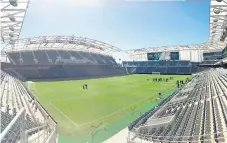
x: 129, y: 24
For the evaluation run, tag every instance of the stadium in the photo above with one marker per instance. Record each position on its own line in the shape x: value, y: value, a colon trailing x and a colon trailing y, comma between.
x: 70, y: 89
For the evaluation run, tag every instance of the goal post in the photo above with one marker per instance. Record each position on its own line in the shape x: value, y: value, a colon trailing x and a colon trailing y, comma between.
x: 30, y: 85
x: 158, y: 73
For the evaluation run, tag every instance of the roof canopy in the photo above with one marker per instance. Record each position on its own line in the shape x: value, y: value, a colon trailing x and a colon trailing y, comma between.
x: 12, y: 16
x: 13, y: 12
x: 61, y: 42
x: 218, y: 19
x: 218, y: 32
x: 207, y: 46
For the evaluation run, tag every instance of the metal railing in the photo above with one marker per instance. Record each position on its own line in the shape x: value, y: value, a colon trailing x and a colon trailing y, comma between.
x: 11, y: 131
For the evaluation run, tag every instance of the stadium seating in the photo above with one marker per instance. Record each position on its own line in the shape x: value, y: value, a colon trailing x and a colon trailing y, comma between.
x: 69, y: 71
x: 14, y: 97
x: 209, y: 62
x: 171, y: 70
x: 196, y: 111
x: 43, y: 64
x: 184, y: 70
x: 41, y: 57
x: 163, y: 67
x: 55, y: 57
x: 130, y: 70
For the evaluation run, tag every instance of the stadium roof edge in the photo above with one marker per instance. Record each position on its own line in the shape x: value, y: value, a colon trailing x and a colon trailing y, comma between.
x: 209, y: 45
x: 12, y: 17
x: 217, y: 30
x: 61, y: 42
x: 218, y: 20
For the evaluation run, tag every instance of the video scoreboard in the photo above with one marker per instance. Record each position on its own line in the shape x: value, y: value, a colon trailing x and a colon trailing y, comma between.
x: 163, y: 56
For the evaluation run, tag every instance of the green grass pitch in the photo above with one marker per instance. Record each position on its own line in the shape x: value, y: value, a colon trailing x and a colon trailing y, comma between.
x: 107, y: 100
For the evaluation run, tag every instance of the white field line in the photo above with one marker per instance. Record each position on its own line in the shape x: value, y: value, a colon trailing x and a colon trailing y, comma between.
x: 75, y: 124
x: 114, y: 112
x: 92, y: 95
x: 131, y: 105
x: 58, y: 110
x: 78, y: 97
x: 98, y: 94
x: 84, y: 124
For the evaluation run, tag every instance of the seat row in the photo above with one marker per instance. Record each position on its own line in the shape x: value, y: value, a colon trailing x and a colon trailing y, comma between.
x: 202, y: 115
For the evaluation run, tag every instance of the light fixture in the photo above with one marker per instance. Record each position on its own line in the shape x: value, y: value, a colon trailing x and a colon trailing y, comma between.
x: 11, y: 28
x: 215, y: 20
x: 3, y: 39
x: 219, y: 0
x: 12, y: 18
x: 217, y: 11
x: 13, y: 2
x: 11, y: 41
x: 10, y: 34
x: 215, y: 26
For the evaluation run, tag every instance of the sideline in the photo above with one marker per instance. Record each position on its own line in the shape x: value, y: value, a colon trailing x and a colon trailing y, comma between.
x: 75, y: 124
x: 91, y: 95
x: 64, y: 114
x: 98, y: 94
x: 131, y: 105
x: 106, y: 116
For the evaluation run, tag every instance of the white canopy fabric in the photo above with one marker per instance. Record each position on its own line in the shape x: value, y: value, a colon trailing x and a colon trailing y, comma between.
x: 13, y: 12
x: 218, y: 32
x: 12, y: 17
x: 62, y: 42
x: 218, y: 19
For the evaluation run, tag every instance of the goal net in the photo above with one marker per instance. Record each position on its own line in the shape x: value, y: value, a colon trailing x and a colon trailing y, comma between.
x: 30, y: 85
x: 158, y: 73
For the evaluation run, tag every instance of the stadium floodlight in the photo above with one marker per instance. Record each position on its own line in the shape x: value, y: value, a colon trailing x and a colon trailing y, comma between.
x: 217, y: 11
x: 11, y: 28
x: 215, y: 20
x: 3, y: 40
x: 12, y: 18
x: 11, y: 41
x: 10, y: 34
x: 13, y: 2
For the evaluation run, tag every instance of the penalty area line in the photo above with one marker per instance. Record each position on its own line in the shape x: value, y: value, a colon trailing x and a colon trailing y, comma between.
x: 75, y: 124
x: 125, y: 108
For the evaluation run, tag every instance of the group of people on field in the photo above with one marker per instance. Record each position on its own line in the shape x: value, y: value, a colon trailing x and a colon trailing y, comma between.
x: 180, y: 83
x: 161, y: 79
x: 85, y: 87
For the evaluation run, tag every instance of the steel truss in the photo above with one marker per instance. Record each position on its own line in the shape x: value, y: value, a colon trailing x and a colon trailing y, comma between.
x: 62, y: 42
x: 218, y: 33
x: 12, y: 17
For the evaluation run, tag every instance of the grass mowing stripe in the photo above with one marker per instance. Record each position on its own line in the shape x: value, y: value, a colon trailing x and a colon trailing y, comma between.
x: 64, y: 115
x: 115, y: 97
x: 75, y: 124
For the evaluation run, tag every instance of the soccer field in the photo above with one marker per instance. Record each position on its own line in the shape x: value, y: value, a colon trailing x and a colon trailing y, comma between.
x: 104, y: 105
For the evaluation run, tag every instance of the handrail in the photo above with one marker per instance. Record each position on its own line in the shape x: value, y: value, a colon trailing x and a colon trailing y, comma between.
x: 35, y: 128
x: 39, y: 128
x: 52, y: 136
x: 40, y: 106
x: 15, y: 119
